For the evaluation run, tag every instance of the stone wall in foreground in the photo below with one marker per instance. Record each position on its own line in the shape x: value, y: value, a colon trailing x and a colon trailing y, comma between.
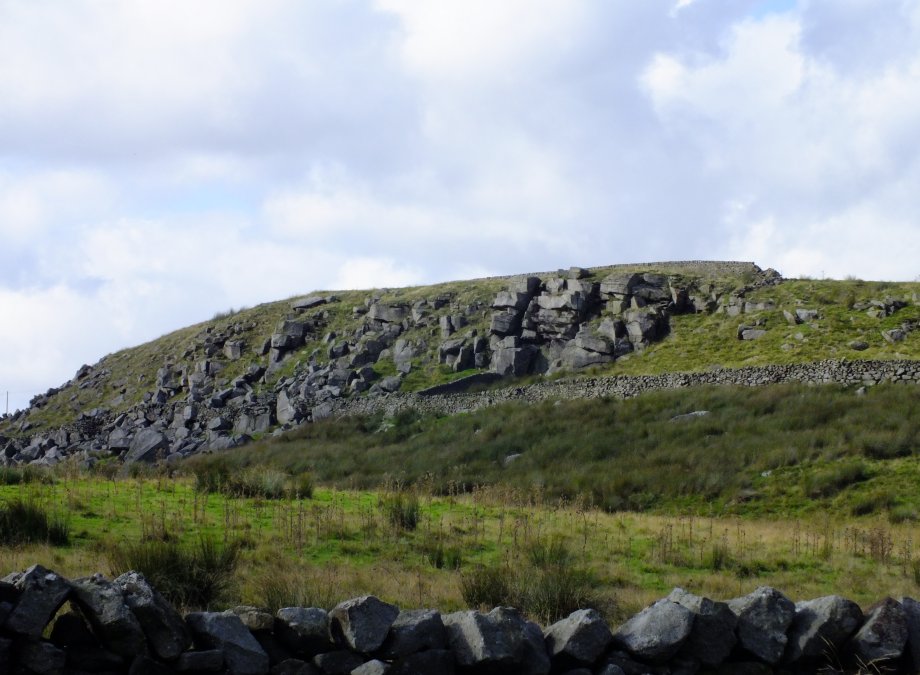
x: 851, y: 373
x: 50, y: 626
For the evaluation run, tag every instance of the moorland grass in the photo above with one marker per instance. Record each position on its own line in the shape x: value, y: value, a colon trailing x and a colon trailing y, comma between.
x: 816, y: 446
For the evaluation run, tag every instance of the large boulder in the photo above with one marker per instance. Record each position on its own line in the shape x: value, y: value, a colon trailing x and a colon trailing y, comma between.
x: 243, y: 655
x: 363, y: 623
x: 883, y: 636
x: 713, y: 635
x: 512, y: 360
x: 166, y: 632
x: 763, y: 618
x: 102, y: 602
x: 41, y: 595
x: 148, y: 446
x: 821, y: 625
x: 579, y: 638
x: 657, y: 632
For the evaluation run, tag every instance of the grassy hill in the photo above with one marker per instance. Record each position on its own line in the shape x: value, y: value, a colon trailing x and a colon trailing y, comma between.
x: 696, y: 341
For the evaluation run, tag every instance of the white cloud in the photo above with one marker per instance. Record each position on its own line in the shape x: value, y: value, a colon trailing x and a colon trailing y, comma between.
x: 169, y: 160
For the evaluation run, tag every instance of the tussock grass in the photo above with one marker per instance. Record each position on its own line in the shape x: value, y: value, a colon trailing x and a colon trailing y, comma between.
x: 26, y: 522
x: 189, y: 575
x: 815, y: 445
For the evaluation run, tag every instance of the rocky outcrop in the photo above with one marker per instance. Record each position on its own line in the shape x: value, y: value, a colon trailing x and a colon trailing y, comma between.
x: 124, y: 627
x: 312, y: 366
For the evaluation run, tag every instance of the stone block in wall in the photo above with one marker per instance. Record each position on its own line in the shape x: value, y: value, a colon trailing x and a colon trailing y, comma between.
x: 362, y: 623
x: 41, y: 594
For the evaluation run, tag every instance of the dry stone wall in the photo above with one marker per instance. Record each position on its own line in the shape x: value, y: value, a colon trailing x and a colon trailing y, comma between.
x: 52, y: 626
x: 849, y: 373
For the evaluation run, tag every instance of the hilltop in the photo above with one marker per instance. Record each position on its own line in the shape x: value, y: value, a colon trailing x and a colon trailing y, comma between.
x: 256, y: 372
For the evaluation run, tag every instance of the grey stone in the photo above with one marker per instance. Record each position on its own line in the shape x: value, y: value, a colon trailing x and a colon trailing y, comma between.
x: 304, y: 629
x: 657, y: 632
x: 255, y: 619
x: 242, y: 653
x: 894, y: 335
x: 94, y: 659
x: 205, y: 661
x: 535, y: 659
x: 147, y: 446
x: 763, y: 618
x: 515, y: 300
x: 806, y: 315
x: 41, y: 658
x: 858, y: 345
x: 41, y: 594
x: 791, y: 318
x: 582, y: 637
x: 388, y: 313
x: 575, y: 357
x: 285, y: 411
x: 912, y: 612
x: 308, y: 302
x: 339, y: 662
x: 512, y: 361
x: 505, y: 323
x: 619, y: 284
x: 431, y: 662
x: 362, y: 623
x: 493, y: 641
x: 391, y: 383
x: 753, y: 333
x: 113, y: 621
x: 884, y: 634
x: 821, y: 625
x: 375, y: 667
x: 713, y: 635
x: 414, y: 631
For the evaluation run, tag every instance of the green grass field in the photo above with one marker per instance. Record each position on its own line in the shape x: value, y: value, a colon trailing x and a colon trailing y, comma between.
x: 610, y: 504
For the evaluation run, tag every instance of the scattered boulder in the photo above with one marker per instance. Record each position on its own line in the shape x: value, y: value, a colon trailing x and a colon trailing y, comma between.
x: 493, y: 641
x: 147, y: 446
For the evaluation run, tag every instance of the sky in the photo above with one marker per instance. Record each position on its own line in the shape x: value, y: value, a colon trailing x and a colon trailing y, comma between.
x: 163, y: 160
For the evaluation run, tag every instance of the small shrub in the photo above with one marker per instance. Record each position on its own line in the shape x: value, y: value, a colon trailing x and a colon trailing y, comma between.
x: 301, y: 486
x: 487, y: 586
x: 187, y: 575
x: 554, y: 592
x: 23, y: 522
x: 832, y: 480
x: 402, y: 510
x: 549, y: 553
x: 902, y: 514
x: 873, y: 503
x: 441, y: 557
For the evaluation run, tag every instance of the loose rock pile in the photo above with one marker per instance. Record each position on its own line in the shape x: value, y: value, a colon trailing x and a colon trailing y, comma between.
x: 52, y: 626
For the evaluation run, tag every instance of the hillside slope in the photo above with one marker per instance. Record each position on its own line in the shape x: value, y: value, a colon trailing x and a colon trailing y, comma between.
x: 224, y: 382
